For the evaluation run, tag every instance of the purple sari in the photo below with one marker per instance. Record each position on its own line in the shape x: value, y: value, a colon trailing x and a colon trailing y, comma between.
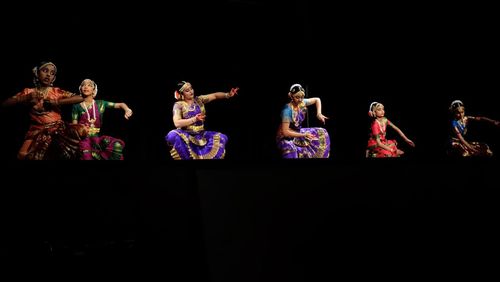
x: 300, y: 147
x: 194, y: 142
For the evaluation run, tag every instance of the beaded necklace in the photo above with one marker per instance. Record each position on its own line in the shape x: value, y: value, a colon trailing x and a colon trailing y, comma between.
x: 91, y: 120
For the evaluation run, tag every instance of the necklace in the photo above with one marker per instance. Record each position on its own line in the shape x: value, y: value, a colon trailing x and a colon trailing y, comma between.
x: 461, y: 124
x: 191, y: 107
x: 295, y: 114
x: 382, y: 128
x: 42, y: 92
x: 91, y: 120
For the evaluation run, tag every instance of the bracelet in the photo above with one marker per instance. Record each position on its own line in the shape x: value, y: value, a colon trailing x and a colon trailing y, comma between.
x: 226, y: 95
x: 23, y: 98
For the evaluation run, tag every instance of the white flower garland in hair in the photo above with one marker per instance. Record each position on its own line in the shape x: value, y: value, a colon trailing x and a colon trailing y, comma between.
x: 456, y: 102
x: 296, y: 84
x: 370, y: 110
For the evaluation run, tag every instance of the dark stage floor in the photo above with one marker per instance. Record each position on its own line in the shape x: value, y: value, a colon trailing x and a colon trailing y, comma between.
x: 235, y: 221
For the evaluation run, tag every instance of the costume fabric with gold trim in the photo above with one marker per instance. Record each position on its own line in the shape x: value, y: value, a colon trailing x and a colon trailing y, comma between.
x: 458, y: 149
x: 50, y: 138
x: 380, y: 131
x: 300, y: 147
x: 95, y: 146
x: 193, y: 141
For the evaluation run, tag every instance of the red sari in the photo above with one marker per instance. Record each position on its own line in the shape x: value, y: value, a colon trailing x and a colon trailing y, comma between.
x: 379, y: 130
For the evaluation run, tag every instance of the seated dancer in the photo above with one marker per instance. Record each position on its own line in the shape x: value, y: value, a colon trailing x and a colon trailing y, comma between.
x: 294, y: 141
x: 90, y: 114
x: 190, y: 141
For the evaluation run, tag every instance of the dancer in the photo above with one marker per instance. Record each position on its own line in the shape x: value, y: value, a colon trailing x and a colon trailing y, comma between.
x: 458, y: 145
x: 190, y: 140
x: 378, y: 145
x: 48, y: 136
x: 296, y: 142
x: 90, y: 114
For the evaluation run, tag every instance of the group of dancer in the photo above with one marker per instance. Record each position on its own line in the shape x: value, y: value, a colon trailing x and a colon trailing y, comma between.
x: 191, y: 141
x: 49, y: 137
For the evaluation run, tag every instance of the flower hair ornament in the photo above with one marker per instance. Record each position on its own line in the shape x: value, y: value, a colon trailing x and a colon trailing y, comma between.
x: 296, y: 88
x: 456, y: 103
x: 177, y: 94
x: 371, y: 113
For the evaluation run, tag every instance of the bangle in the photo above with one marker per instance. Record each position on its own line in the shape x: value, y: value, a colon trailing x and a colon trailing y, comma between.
x: 226, y: 95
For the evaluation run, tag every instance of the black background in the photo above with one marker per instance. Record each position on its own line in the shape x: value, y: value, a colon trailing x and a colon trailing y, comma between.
x: 414, y: 59
x: 217, y: 220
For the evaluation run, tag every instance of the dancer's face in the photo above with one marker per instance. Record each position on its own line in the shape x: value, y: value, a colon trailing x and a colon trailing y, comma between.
x: 47, y: 74
x: 459, y: 113
x: 297, y: 98
x: 379, y: 111
x: 87, y: 88
x: 188, y: 92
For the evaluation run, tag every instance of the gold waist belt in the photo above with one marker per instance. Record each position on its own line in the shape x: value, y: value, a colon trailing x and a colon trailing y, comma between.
x: 94, y: 130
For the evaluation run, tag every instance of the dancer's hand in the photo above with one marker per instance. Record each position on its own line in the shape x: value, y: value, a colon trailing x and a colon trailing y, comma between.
x: 200, y: 117
x: 321, y: 117
x: 410, y: 142
x: 309, y: 136
x: 128, y: 113
x: 473, y: 148
x: 232, y: 92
